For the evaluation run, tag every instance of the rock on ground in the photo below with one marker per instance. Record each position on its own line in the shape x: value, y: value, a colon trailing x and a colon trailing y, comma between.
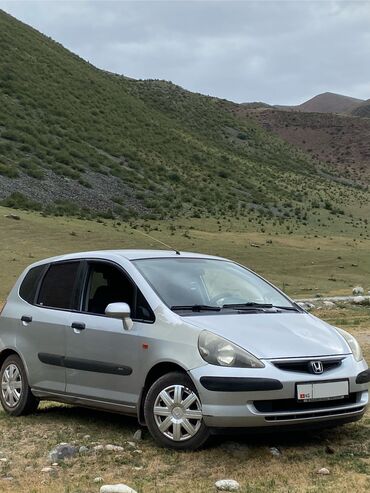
x: 114, y: 448
x: 275, y: 451
x: 116, y: 488
x: 138, y: 435
x: 358, y: 300
x: 329, y: 304
x: 324, y: 471
x: 358, y: 290
x: 62, y: 451
x: 227, y: 485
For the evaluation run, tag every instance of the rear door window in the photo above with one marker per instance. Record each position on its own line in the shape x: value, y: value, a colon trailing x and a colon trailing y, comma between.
x: 59, y: 286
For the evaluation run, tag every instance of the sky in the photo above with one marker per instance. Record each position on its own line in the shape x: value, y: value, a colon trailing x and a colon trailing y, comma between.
x: 279, y: 52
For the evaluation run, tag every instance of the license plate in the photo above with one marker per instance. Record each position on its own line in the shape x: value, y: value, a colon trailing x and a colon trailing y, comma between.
x: 322, y: 391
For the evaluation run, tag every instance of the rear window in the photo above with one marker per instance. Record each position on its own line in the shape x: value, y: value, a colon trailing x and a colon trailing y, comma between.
x: 59, y: 287
x: 28, y: 288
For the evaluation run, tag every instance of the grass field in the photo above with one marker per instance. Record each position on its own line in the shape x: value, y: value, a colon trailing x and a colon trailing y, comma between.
x: 303, y: 264
x: 25, y: 442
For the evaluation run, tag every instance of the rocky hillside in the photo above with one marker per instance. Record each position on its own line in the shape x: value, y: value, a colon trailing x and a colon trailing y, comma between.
x: 75, y: 139
x: 363, y: 110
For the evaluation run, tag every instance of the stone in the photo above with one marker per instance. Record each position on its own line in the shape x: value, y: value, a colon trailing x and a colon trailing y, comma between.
x: 3, y: 459
x: 98, y: 480
x: 83, y: 449
x: 116, y: 488
x: 275, y: 451
x: 329, y: 304
x: 13, y: 216
x: 86, y: 437
x: 227, y: 485
x: 114, y: 448
x: 47, y: 470
x: 62, y: 451
x: 323, y: 471
x: 132, y: 444
x: 98, y: 448
x: 138, y: 435
x: 358, y: 300
x: 358, y: 290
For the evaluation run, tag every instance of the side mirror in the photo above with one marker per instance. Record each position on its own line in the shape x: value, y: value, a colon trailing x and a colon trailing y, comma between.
x: 121, y: 311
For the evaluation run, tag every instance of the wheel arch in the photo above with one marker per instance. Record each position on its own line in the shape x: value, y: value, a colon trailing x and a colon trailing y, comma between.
x: 11, y: 351
x: 157, y: 371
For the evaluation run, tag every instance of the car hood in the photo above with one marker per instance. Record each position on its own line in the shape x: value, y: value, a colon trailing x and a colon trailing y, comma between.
x: 275, y: 335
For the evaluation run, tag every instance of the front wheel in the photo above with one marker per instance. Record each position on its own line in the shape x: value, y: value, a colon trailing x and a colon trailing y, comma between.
x: 173, y: 413
x: 16, y: 396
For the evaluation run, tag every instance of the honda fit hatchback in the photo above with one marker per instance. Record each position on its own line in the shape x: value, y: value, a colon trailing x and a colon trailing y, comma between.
x: 188, y: 343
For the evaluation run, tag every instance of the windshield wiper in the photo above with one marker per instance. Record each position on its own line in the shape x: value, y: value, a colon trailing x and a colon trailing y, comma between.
x: 196, y: 308
x: 255, y: 306
x: 289, y: 308
x: 249, y: 305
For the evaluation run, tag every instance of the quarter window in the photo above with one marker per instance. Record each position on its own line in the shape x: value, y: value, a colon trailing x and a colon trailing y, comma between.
x: 29, y: 285
x: 58, y: 289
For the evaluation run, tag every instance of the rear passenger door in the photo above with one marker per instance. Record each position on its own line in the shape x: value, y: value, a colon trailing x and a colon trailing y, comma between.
x: 41, y: 338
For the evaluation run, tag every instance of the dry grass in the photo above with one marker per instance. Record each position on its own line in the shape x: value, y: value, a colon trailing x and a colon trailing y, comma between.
x: 25, y: 442
x: 302, y: 264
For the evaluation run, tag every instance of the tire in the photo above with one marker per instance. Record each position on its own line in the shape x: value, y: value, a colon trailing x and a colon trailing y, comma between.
x: 15, y: 393
x: 182, y: 424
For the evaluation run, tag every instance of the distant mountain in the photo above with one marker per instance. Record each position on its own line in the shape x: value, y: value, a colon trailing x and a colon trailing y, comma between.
x: 329, y: 102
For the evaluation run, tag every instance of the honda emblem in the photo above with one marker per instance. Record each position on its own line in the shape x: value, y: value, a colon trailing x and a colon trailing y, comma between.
x: 316, y: 367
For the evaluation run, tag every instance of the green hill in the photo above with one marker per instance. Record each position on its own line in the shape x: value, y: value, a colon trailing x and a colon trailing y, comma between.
x: 75, y: 139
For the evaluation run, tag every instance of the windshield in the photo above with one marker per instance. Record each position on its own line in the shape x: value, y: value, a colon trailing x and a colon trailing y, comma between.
x: 201, y: 282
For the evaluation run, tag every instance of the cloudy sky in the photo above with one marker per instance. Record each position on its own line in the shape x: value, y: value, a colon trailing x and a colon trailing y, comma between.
x: 281, y: 51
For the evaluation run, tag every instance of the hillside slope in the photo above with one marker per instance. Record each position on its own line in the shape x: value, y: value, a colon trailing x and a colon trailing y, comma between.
x: 342, y: 142
x: 363, y: 110
x: 76, y: 138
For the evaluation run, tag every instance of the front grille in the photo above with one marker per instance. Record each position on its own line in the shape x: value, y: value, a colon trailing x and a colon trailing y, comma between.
x: 303, y: 366
x: 292, y: 405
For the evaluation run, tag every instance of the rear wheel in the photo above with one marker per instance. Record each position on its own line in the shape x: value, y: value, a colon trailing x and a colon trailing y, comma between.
x: 173, y: 413
x: 16, y: 396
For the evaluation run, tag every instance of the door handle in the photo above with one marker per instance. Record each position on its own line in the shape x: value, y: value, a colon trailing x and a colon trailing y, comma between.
x: 78, y: 326
x: 27, y: 319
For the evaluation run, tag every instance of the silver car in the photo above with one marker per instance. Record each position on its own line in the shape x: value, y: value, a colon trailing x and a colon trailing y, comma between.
x: 188, y: 343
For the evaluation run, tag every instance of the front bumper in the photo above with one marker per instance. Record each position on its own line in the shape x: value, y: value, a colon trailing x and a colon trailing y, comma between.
x: 266, y: 397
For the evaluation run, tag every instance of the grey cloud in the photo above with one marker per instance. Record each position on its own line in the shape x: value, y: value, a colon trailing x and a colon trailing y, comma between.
x: 274, y: 51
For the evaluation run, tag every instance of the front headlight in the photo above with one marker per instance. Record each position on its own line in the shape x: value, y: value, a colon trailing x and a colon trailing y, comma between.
x: 218, y: 351
x: 352, y: 343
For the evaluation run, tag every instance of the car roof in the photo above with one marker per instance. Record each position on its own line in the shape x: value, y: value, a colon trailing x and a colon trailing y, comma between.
x: 127, y: 254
